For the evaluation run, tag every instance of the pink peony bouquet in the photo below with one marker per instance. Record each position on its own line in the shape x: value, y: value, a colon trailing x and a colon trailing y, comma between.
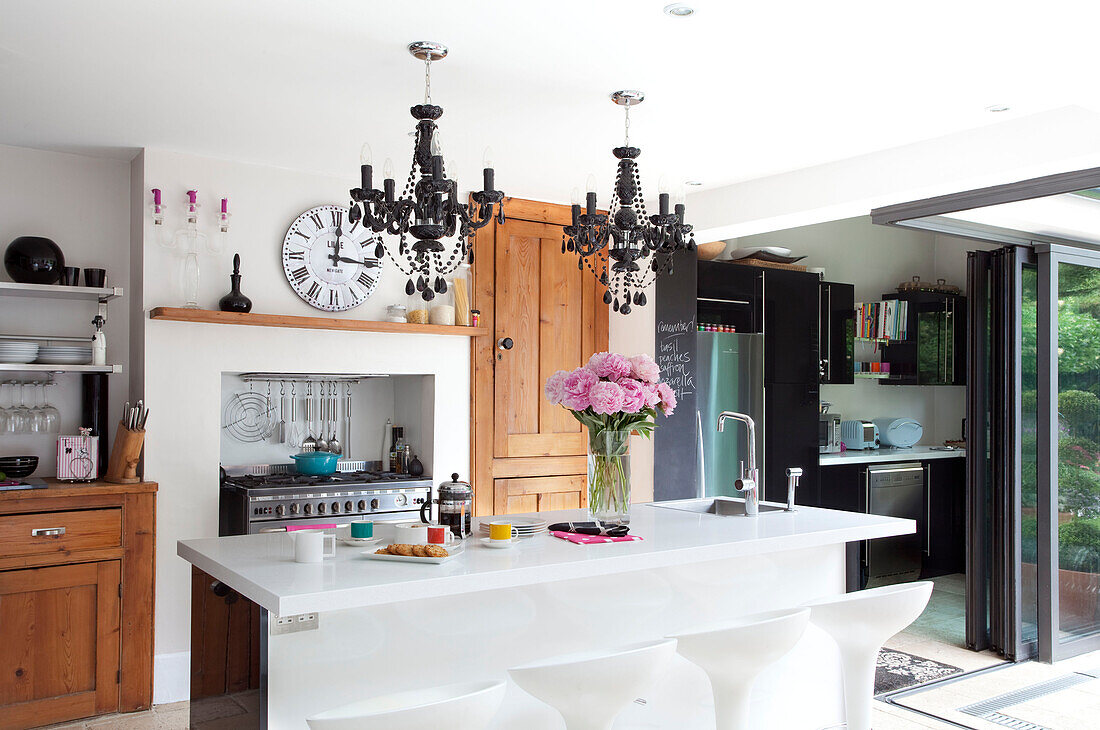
x: 613, y: 392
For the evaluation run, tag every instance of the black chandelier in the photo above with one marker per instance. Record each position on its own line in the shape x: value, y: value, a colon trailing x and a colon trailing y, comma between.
x: 429, y: 209
x: 626, y: 248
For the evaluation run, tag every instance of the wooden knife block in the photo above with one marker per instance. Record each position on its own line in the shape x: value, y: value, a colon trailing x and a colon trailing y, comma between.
x: 122, y: 466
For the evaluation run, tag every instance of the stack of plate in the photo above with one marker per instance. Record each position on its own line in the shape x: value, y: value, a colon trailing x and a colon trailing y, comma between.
x: 65, y: 354
x: 525, y: 526
x: 18, y: 351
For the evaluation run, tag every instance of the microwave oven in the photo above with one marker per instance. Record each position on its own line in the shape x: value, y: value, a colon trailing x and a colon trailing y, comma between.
x: 828, y: 433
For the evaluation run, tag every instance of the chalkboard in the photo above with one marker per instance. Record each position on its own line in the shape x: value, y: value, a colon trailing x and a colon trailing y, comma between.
x: 675, y: 445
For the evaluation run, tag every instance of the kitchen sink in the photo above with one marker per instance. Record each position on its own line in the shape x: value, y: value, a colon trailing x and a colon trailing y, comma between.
x: 721, y: 506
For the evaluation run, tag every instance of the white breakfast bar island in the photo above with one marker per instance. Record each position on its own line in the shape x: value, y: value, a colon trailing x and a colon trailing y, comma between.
x: 389, y: 626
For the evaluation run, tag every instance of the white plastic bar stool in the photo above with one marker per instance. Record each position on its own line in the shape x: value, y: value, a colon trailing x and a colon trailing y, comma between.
x: 735, y: 652
x: 860, y: 623
x: 591, y: 689
x: 469, y: 706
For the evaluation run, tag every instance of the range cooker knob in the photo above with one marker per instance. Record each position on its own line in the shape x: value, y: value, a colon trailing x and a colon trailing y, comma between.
x: 309, y: 509
x: 374, y: 504
x: 348, y: 506
x: 280, y: 510
x: 335, y: 507
x: 362, y: 505
x: 295, y: 508
x: 320, y: 508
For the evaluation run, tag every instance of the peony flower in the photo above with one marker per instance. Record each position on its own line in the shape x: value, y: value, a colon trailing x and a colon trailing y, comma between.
x: 644, y: 369
x: 606, y: 397
x: 634, y: 395
x: 575, y: 389
x: 609, y: 365
x: 668, y: 398
x: 652, y: 397
x: 555, y: 387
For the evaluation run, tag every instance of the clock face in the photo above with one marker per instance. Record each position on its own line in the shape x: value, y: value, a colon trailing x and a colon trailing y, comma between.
x: 328, y: 261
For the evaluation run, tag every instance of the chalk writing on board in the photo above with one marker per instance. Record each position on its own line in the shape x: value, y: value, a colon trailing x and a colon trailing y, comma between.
x: 675, y: 343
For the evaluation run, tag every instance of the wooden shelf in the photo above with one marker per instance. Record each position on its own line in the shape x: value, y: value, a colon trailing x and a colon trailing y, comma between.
x: 58, y: 291
x: 207, y: 316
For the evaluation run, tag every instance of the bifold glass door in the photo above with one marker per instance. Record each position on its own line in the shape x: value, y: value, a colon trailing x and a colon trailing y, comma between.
x: 1068, y: 451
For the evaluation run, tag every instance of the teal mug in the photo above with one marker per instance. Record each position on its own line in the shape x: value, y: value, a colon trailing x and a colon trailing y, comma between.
x: 362, y: 529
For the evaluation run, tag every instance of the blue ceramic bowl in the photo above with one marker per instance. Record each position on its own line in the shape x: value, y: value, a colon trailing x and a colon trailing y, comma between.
x: 315, y: 463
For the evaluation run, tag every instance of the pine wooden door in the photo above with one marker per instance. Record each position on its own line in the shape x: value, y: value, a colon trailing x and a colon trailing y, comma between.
x: 59, y: 643
x: 536, y: 300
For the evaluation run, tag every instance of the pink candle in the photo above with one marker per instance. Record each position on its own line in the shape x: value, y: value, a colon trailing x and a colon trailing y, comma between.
x: 156, y: 196
x: 225, y: 205
x: 192, y: 196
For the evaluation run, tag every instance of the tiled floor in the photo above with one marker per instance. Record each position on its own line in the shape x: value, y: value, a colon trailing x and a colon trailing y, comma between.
x: 940, y: 632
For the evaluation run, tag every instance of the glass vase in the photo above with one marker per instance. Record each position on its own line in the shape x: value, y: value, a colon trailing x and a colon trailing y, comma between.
x: 609, y: 476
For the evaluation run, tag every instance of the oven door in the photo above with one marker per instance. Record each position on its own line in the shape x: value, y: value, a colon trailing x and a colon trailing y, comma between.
x: 326, y: 521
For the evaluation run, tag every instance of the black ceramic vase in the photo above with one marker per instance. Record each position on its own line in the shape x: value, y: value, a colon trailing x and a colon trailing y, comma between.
x: 234, y: 301
x: 34, y: 260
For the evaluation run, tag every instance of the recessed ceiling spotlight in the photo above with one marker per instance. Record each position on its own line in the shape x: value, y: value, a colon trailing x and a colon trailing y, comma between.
x: 997, y: 108
x: 679, y: 10
x: 693, y: 183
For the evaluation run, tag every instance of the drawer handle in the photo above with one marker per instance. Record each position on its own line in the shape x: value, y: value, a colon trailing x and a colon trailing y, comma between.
x: 48, y: 532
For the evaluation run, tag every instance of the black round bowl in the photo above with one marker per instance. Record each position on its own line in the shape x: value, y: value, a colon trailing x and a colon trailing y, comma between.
x: 17, y: 467
x: 34, y: 260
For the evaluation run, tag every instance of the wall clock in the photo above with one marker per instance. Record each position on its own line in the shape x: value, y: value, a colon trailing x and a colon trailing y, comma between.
x: 328, y: 261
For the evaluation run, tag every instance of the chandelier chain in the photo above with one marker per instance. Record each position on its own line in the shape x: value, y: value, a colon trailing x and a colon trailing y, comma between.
x: 428, y: 79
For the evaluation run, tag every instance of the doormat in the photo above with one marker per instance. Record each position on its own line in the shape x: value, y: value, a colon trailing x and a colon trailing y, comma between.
x: 898, y: 670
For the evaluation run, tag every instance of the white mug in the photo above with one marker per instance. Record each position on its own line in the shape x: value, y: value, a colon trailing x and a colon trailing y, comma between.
x: 410, y: 533
x: 312, y: 546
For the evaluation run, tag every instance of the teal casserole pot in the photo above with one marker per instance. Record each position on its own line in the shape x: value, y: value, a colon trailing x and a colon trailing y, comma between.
x: 315, y: 463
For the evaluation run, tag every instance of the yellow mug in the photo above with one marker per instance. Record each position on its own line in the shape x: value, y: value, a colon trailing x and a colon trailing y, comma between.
x: 502, y: 531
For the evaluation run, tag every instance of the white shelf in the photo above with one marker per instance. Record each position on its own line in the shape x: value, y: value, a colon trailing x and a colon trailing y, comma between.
x: 58, y: 291
x: 6, y: 367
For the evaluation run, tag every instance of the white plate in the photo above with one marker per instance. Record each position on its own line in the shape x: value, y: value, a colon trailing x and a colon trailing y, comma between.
x: 499, y: 544
x: 740, y: 253
x: 63, y: 360
x: 454, y: 551
x: 19, y: 359
x: 360, y: 541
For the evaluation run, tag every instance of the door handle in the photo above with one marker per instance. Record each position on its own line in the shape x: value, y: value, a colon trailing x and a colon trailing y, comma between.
x: 504, y: 343
x: 48, y: 532
x: 927, y: 512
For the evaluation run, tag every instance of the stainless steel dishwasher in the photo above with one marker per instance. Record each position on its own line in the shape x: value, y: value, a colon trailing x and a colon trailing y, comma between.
x: 894, y: 490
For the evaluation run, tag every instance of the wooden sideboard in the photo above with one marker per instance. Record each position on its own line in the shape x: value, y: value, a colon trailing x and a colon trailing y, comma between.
x: 76, y: 601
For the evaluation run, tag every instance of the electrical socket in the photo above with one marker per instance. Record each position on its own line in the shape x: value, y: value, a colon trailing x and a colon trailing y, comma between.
x: 293, y: 624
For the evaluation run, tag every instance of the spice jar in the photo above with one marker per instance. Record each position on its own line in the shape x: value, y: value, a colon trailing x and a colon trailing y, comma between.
x: 396, y: 313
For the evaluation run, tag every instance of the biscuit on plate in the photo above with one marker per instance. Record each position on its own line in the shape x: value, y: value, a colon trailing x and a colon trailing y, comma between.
x: 401, y: 549
x: 383, y: 551
x: 420, y: 551
x: 436, y: 551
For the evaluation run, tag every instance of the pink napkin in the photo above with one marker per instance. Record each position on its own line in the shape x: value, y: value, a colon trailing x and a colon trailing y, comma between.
x: 592, y: 539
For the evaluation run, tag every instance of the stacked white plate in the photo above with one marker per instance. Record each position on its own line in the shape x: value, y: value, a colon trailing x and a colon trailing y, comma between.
x: 18, y: 351
x: 65, y: 354
x: 525, y: 526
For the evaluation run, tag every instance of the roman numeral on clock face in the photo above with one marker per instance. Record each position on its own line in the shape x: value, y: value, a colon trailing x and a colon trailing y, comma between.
x: 314, y: 290
x: 316, y: 218
x: 366, y: 280
x: 334, y: 297
x: 299, y: 233
x: 296, y: 255
x: 336, y: 217
x: 300, y: 274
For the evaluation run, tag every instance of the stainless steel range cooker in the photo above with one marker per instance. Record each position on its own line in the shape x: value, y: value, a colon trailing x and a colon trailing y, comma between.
x: 252, y: 503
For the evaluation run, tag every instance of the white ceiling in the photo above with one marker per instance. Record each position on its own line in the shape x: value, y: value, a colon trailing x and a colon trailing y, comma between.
x: 738, y: 91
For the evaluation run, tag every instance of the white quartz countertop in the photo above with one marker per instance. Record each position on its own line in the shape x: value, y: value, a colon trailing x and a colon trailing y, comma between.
x: 888, y: 454
x: 262, y: 567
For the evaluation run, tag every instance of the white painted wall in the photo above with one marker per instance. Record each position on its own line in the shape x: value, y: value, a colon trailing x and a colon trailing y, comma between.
x: 81, y: 203
x: 183, y: 363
